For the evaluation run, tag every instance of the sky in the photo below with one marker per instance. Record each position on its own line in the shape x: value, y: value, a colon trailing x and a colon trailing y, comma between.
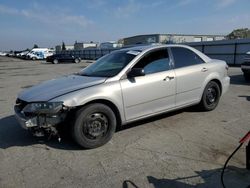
x: 47, y: 23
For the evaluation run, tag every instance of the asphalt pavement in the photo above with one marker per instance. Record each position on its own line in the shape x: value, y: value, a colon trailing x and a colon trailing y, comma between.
x: 186, y: 148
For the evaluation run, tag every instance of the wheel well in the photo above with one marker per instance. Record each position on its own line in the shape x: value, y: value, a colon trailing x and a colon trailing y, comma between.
x: 109, y: 104
x: 219, y: 84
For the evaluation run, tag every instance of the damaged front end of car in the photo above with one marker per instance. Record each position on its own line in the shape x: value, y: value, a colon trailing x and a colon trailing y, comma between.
x: 41, y: 118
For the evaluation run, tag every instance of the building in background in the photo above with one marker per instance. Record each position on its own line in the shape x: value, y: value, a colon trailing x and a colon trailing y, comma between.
x: 58, y: 48
x: 82, y: 45
x: 169, y: 38
x: 110, y: 45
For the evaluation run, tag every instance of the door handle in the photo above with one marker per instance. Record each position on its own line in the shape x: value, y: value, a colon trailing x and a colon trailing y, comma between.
x: 204, y: 69
x: 168, y: 78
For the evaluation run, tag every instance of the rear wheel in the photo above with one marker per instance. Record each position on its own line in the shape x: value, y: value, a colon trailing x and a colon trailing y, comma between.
x: 33, y: 58
x: 94, y: 125
x: 247, y: 76
x: 77, y: 60
x: 55, y: 61
x: 210, y: 97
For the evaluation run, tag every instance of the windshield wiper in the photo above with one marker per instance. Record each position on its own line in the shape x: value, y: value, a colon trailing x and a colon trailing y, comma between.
x: 91, y: 75
x: 81, y: 74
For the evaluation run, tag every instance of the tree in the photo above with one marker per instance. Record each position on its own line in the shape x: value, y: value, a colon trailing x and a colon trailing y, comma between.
x: 35, y: 46
x: 239, y: 34
x: 63, y: 46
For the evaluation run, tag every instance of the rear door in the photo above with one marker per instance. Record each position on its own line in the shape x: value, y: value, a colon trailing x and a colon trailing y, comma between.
x: 66, y: 58
x: 191, y: 72
x: 152, y: 93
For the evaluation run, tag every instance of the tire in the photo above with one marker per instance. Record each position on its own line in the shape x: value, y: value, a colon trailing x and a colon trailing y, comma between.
x: 247, y: 76
x: 94, y: 125
x: 55, y: 61
x: 33, y: 58
x: 77, y: 60
x: 210, y: 97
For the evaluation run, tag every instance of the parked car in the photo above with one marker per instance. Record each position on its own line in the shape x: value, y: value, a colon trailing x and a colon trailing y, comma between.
x: 121, y: 87
x: 39, y: 53
x: 58, y: 58
x: 3, y: 53
x: 22, y: 54
x: 10, y: 54
x: 245, y: 67
x: 36, y: 55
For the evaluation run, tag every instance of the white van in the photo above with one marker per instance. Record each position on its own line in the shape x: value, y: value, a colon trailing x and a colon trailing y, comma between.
x: 39, y: 53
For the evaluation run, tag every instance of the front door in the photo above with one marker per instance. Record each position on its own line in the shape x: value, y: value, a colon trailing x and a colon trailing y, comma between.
x: 152, y: 93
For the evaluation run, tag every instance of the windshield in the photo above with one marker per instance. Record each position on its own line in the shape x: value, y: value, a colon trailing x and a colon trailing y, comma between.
x: 109, y: 65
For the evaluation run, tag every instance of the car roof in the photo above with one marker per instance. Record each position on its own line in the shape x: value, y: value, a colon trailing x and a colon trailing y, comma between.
x: 142, y: 48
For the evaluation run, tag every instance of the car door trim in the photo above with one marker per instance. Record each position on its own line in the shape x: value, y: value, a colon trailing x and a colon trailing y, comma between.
x: 149, y: 101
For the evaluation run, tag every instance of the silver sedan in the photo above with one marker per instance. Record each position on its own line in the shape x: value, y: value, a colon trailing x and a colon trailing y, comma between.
x: 124, y: 86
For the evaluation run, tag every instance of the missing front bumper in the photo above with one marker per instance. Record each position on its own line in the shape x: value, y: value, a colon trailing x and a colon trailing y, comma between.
x: 41, y: 121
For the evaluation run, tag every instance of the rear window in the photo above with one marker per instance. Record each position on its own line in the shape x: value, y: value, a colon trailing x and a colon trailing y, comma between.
x: 184, y: 57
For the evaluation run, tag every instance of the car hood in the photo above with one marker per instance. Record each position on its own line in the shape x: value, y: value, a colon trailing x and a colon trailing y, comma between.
x: 57, y: 87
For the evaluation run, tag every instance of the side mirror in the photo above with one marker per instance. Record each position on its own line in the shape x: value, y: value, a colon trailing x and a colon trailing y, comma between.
x: 136, y: 72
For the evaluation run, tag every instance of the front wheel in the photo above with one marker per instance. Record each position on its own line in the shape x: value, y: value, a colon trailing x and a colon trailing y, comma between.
x: 210, y: 97
x: 94, y: 125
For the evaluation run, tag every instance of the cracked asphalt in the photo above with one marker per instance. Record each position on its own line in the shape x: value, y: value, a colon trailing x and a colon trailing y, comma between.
x: 186, y: 148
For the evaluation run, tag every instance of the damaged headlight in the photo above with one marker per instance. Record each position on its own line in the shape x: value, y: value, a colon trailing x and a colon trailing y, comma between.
x: 43, y: 107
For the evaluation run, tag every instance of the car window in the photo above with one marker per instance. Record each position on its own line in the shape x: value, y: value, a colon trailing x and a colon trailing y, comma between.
x: 153, y: 62
x: 184, y: 57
